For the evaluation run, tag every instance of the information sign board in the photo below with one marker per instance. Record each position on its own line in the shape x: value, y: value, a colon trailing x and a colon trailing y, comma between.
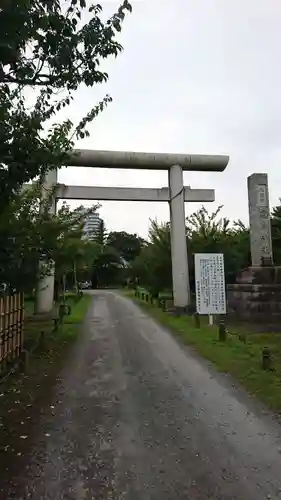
x: 210, y: 283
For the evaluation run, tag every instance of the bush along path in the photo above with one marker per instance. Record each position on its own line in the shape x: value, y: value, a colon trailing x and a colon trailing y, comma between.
x: 254, y: 359
x: 23, y: 396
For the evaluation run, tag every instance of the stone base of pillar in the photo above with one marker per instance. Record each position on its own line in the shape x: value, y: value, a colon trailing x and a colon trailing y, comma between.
x: 256, y: 296
x: 45, y: 295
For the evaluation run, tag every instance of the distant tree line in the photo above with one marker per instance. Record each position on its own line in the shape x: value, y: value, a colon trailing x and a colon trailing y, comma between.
x: 30, y: 235
x: 204, y: 233
x: 32, y: 239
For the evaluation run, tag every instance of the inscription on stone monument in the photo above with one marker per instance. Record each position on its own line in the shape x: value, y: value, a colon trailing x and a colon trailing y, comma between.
x: 259, y: 213
x: 261, y: 196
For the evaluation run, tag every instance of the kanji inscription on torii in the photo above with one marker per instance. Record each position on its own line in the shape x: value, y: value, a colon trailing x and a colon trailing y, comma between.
x: 259, y: 213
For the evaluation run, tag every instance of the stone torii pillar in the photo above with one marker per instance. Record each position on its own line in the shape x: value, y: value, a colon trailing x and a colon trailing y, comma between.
x: 176, y: 195
x: 180, y: 274
x: 45, y: 286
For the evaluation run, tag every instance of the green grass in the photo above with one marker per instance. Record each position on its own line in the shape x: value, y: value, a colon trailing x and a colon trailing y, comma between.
x: 34, y: 325
x: 73, y: 322
x: 243, y: 361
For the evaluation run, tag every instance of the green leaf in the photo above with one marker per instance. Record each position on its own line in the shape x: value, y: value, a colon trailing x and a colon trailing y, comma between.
x: 44, y: 50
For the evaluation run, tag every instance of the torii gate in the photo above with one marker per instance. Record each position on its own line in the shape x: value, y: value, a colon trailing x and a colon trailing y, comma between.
x: 176, y: 194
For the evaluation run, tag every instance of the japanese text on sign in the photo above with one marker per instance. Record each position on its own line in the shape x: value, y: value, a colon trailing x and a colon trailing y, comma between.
x: 210, y: 283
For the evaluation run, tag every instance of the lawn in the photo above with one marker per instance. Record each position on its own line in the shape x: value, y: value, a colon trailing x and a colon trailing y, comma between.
x: 34, y: 325
x: 242, y: 360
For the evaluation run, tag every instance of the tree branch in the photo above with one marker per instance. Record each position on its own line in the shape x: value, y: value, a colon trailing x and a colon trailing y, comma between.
x: 30, y: 81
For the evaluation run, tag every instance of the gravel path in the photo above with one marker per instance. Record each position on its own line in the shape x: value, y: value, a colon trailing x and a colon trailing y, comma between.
x: 135, y: 416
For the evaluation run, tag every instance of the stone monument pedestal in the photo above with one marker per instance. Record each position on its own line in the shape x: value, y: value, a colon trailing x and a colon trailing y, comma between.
x: 256, y: 295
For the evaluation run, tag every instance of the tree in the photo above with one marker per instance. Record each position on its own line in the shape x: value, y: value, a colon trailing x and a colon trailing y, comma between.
x: 29, y: 234
x: 153, y: 266
x: 46, y: 46
x: 107, y: 267
x: 73, y: 255
x: 101, y: 235
x: 20, y: 241
x: 205, y: 233
x: 276, y: 234
x: 127, y: 245
x: 212, y: 233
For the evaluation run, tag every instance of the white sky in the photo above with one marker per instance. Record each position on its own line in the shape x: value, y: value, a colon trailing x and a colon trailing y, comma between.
x: 195, y: 76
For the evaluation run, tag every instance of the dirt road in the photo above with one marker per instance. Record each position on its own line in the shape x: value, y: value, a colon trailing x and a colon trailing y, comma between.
x: 135, y: 416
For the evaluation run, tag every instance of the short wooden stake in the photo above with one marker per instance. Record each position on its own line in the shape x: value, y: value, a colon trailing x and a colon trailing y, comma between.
x: 24, y: 360
x: 266, y: 359
x: 196, y: 320
x: 222, y: 330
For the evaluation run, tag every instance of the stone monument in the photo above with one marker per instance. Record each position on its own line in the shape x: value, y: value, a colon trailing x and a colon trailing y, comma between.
x: 256, y: 295
x: 259, y: 215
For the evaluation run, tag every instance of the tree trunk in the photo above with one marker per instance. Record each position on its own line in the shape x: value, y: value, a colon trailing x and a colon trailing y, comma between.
x: 63, y: 286
x: 75, y: 278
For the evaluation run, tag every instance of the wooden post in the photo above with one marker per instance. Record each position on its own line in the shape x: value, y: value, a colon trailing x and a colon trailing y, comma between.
x: 266, y: 359
x: 242, y: 337
x: 222, y: 330
x: 61, y: 312
x: 196, y: 320
x: 42, y: 339
x: 211, y: 320
x: 24, y: 360
x: 56, y: 325
x: 21, y: 321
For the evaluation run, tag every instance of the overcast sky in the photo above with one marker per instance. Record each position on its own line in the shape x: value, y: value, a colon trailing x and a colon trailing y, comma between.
x: 195, y: 76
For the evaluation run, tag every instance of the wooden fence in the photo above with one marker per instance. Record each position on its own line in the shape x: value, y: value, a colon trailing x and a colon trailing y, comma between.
x: 11, y: 329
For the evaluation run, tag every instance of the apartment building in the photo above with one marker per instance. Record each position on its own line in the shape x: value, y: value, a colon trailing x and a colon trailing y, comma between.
x: 91, y: 226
